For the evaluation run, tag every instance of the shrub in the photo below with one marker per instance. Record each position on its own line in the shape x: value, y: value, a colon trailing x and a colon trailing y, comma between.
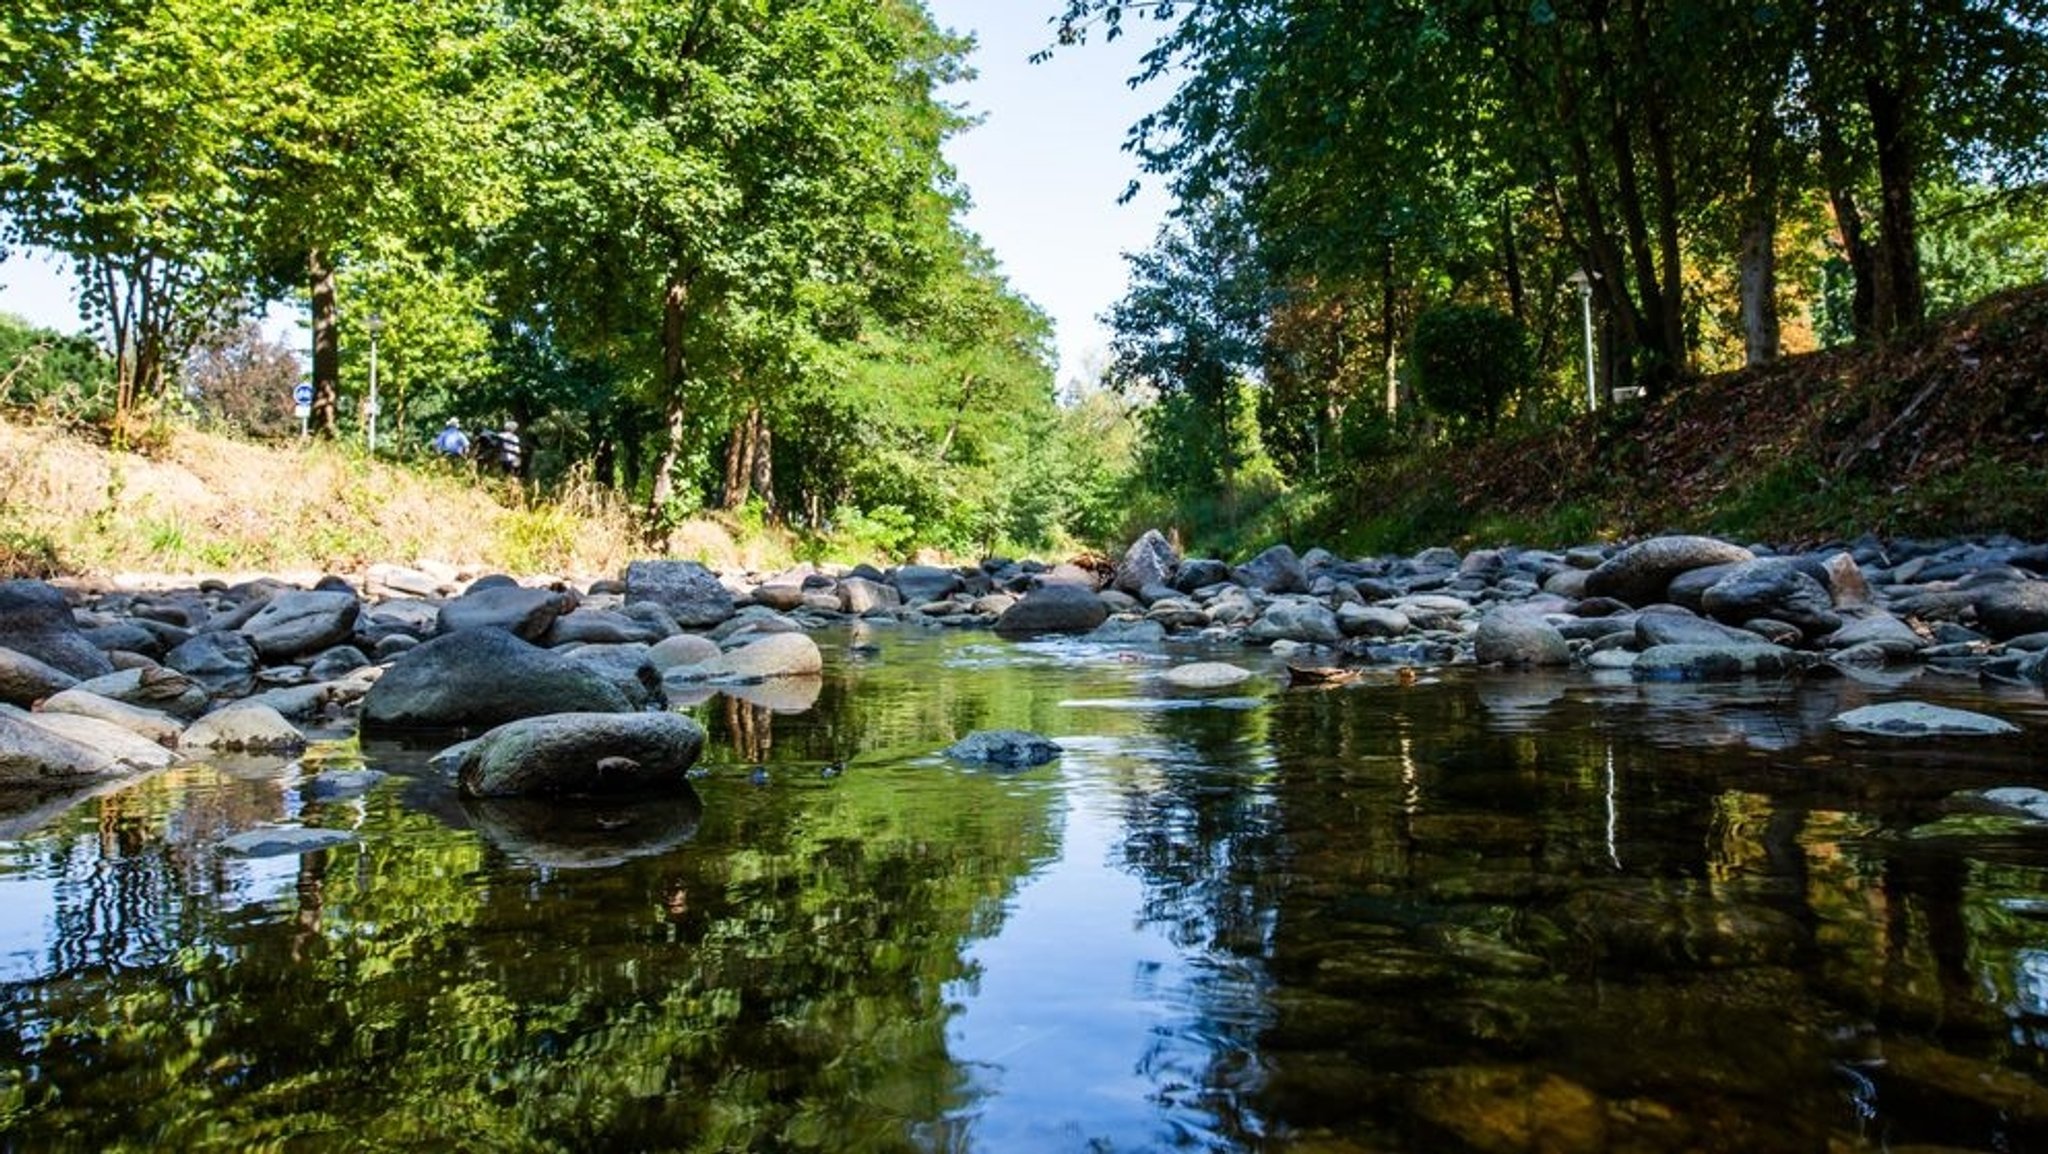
x: 1468, y: 360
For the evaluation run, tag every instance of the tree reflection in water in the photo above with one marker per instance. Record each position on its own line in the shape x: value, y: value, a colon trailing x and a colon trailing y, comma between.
x: 1480, y: 912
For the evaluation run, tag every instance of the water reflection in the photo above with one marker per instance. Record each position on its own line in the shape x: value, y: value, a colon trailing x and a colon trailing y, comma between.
x: 1477, y: 913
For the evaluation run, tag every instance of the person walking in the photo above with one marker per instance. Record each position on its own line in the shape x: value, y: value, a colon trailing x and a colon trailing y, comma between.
x: 511, y: 454
x: 451, y: 441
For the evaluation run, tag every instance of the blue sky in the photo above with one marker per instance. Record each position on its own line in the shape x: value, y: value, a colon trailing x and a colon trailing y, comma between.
x: 1045, y: 168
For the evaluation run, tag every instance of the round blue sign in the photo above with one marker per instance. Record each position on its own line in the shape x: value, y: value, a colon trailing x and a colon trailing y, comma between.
x: 302, y: 394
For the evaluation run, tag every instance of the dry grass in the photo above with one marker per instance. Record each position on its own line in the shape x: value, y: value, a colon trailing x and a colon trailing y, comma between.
x: 203, y: 503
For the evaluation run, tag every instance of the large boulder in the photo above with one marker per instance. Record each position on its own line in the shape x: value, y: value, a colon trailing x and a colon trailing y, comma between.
x: 525, y: 613
x: 923, y: 583
x: 1150, y: 561
x: 244, y: 726
x: 222, y: 662
x: 1060, y: 608
x: 1670, y: 627
x: 1277, y: 570
x: 600, y: 627
x: 2013, y: 609
x: 301, y: 621
x: 1640, y: 573
x: 153, y: 725
x: 152, y: 687
x: 33, y: 754
x: 862, y: 595
x: 1200, y: 573
x: 690, y: 593
x: 25, y: 680
x: 1776, y: 588
x: 583, y: 754
x: 483, y: 677
x: 626, y: 666
x: 36, y: 620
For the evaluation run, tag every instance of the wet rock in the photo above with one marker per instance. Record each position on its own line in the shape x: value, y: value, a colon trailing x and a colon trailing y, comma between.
x: 583, y: 754
x: 330, y: 664
x: 1503, y: 1109
x: 244, y: 726
x: 1712, y: 662
x: 152, y: 687
x: 1277, y: 570
x: 2018, y: 800
x: 36, y: 620
x: 1205, y: 675
x: 1007, y: 748
x: 781, y: 597
x: 1920, y: 719
x: 1129, y: 631
x: 1774, y: 588
x: 1198, y: 573
x: 284, y: 841
x: 24, y: 680
x: 1688, y: 590
x: 298, y: 622
x: 690, y: 593
x: 2014, y: 1097
x: 342, y: 784
x: 1372, y: 621
x: 148, y: 724
x: 525, y: 613
x: 1876, y: 627
x: 481, y: 677
x: 1060, y: 608
x: 1640, y: 573
x: 1670, y: 627
x: 1514, y: 638
x: 134, y: 637
x: 222, y: 662
x: 1846, y: 582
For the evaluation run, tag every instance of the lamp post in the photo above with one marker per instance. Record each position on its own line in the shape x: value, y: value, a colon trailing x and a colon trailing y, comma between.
x: 375, y: 323
x: 1583, y: 285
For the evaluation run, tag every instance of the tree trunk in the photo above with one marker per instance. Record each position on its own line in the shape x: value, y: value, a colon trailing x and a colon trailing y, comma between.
x: 763, y: 472
x: 1511, y: 265
x: 1390, y: 344
x: 1903, y: 302
x: 674, y: 299
x: 739, y: 464
x: 326, y: 344
x: 959, y: 411
x: 1758, y: 268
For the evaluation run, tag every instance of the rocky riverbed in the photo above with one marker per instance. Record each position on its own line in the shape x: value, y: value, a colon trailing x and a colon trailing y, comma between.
x: 560, y: 690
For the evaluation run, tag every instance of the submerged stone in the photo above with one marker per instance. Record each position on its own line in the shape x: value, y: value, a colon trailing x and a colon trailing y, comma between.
x: 1012, y: 748
x: 1920, y: 719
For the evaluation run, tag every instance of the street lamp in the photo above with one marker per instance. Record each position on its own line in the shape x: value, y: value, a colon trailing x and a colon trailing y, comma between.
x: 375, y: 323
x: 1582, y: 283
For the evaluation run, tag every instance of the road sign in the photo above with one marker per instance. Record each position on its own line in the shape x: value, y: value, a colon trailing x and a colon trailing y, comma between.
x: 302, y: 393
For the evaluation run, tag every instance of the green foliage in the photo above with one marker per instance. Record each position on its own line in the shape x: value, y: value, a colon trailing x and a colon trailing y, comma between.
x: 1469, y: 360
x: 58, y: 377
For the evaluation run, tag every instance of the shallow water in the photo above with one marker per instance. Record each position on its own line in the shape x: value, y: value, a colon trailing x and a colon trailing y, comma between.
x: 1481, y: 912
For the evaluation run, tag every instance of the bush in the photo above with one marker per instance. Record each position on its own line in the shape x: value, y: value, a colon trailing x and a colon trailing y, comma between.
x: 1468, y: 360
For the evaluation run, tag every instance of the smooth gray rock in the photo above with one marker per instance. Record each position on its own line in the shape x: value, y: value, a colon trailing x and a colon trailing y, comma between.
x: 690, y: 593
x: 626, y: 666
x: 863, y: 595
x: 682, y: 649
x: 1199, y: 573
x: 24, y: 680
x: 222, y: 662
x: 1151, y: 560
x: 483, y: 677
x: 600, y: 627
x: 149, y: 724
x: 1205, y: 675
x: 2019, y: 800
x: 130, y: 751
x: 298, y: 621
x: 773, y: 656
x: 1128, y: 631
x: 244, y: 726
x: 335, y: 663
x: 2013, y: 609
x: 524, y: 613
x: 583, y: 754
x: 1372, y: 621
x: 1669, y: 627
x: 1295, y: 619
x: 1920, y: 719
x: 1058, y: 608
x: 1775, y: 588
x: 36, y: 620
x: 1640, y: 573
x: 1009, y: 748
x: 1513, y: 638
x: 1875, y: 626
x: 152, y: 687
x: 32, y: 755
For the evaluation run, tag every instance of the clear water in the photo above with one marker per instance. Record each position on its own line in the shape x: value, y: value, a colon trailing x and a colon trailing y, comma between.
x: 1480, y: 912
